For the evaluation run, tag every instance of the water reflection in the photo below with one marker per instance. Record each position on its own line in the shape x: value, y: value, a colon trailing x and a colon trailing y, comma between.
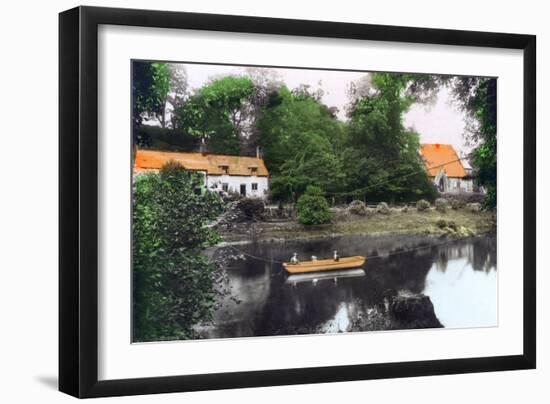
x: 459, y: 276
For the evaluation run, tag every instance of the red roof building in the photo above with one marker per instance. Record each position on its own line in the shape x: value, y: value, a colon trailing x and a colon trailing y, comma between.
x: 247, y: 176
x: 449, y: 172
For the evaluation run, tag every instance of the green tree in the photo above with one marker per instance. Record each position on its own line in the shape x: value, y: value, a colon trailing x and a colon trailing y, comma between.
x: 215, y: 113
x: 150, y: 87
x: 477, y: 97
x: 381, y: 159
x: 312, y: 207
x: 178, y: 94
x: 173, y: 281
x: 301, y: 139
x: 315, y: 164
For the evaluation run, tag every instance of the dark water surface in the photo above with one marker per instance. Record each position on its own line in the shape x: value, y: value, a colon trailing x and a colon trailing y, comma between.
x: 460, y: 278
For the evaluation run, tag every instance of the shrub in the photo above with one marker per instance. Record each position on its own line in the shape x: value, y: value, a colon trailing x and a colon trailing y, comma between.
x: 441, y: 204
x: 457, y: 203
x: 383, y: 208
x: 474, y: 207
x: 422, y: 205
x: 173, y: 283
x: 230, y: 196
x: 447, y: 224
x: 252, y: 208
x: 312, y: 207
x: 357, y: 208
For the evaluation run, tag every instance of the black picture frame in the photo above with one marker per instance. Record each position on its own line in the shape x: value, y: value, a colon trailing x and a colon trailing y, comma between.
x: 78, y: 200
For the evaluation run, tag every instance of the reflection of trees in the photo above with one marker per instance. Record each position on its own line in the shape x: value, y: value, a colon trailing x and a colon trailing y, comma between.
x: 302, y: 308
x: 441, y: 259
x: 407, y: 270
x: 480, y: 253
x: 484, y: 257
x: 268, y: 306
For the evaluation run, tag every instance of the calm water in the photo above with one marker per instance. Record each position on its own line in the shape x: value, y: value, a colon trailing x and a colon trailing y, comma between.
x: 460, y: 278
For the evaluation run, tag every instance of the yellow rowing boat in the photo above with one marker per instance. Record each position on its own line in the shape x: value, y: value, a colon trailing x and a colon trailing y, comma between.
x: 325, y: 265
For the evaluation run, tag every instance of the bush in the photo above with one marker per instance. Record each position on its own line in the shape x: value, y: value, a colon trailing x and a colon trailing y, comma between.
x: 474, y: 207
x: 252, y: 208
x: 312, y: 207
x: 422, y: 205
x: 451, y: 224
x: 173, y: 283
x: 383, y: 208
x: 357, y: 208
x: 441, y: 204
x: 457, y: 203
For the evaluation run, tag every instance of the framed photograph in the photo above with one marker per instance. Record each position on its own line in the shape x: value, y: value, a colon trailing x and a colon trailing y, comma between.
x: 251, y: 201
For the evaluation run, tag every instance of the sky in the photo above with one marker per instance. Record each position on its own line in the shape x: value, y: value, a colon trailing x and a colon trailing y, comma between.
x: 440, y: 123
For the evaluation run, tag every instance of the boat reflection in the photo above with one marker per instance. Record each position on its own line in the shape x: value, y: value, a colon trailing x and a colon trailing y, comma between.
x: 318, y: 276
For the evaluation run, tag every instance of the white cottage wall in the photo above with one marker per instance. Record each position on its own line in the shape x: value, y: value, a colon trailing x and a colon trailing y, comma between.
x: 457, y: 185
x: 234, y: 182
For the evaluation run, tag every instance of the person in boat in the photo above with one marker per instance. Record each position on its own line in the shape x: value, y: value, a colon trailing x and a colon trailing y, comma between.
x: 336, y: 256
x: 294, y: 259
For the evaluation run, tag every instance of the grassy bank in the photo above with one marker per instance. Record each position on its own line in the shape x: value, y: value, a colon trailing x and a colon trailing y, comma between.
x: 460, y: 223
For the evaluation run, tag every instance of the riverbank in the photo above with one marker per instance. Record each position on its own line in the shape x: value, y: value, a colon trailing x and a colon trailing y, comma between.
x: 454, y: 222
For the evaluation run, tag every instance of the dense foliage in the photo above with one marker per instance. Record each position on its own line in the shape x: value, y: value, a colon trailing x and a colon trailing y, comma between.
x: 150, y: 87
x: 300, y: 138
x: 312, y: 207
x: 215, y: 113
x: 478, y: 98
x: 173, y: 281
x: 381, y: 160
x: 251, y: 208
x: 370, y: 155
x: 159, y: 138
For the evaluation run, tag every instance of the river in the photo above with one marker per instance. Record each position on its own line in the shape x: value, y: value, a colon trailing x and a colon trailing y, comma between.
x: 459, y: 276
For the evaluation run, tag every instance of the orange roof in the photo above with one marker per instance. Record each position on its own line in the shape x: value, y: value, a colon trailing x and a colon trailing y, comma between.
x: 213, y: 164
x: 442, y: 157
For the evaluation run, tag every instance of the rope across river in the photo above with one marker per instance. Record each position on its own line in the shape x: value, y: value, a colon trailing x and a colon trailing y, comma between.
x: 369, y: 257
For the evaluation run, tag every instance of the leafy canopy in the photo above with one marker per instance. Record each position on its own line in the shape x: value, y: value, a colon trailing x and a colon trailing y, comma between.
x: 215, y: 113
x: 381, y: 159
x: 150, y: 87
x: 300, y: 137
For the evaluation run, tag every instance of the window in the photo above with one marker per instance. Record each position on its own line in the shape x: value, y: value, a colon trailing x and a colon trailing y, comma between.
x: 225, y: 169
x: 254, y: 170
x: 225, y: 186
x: 254, y: 186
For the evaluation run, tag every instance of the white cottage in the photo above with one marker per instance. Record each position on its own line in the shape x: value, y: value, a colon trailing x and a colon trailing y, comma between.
x: 448, y: 172
x: 245, y: 175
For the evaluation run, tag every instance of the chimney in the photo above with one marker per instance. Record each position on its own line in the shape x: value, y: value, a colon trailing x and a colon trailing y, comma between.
x: 258, y: 152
